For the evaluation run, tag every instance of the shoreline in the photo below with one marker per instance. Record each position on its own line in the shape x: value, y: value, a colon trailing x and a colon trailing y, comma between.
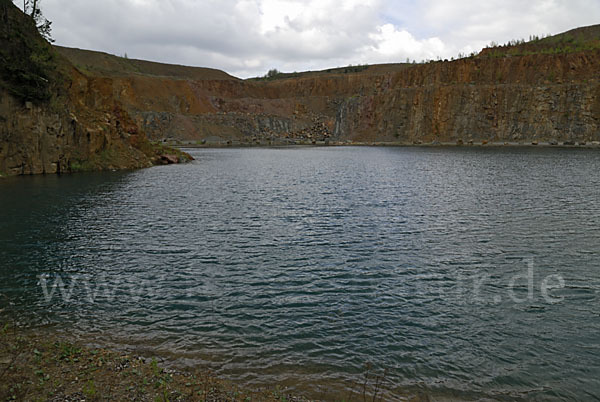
x: 435, y: 144
x: 179, y: 146
x: 44, y: 366
x: 39, y: 363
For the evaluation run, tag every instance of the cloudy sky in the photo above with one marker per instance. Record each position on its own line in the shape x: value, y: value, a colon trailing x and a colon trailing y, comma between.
x: 248, y: 37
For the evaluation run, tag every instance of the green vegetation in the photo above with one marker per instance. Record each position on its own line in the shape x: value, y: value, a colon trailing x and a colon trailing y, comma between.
x: 103, y: 160
x: 81, y: 166
x: 44, y: 367
x: 157, y: 149
x: 44, y: 27
x: 558, y: 49
x: 578, y: 40
x: 107, y: 156
x: 89, y: 390
x: 115, y: 156
x: 275, y: 74
x: 272, y: 73
x: 29, y: 68
x: 350, y: 69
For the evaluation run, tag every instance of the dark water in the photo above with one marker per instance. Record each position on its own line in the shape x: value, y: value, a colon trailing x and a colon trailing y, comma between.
x: 469, y: 273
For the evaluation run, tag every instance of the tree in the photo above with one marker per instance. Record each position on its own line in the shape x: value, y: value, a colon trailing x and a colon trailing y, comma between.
x: 273, y: 73
x: 28, y: 65
x: 44, y: 27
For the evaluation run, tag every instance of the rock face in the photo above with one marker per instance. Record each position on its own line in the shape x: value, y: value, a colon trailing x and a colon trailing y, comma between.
x: 55, y: 119
x: 42, y: 138
x: 541, y: 96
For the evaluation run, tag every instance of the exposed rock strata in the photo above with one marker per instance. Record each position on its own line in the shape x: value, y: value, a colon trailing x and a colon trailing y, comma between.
x: 526, y: 98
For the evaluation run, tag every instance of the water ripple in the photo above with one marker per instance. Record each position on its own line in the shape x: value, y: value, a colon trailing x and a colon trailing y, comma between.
x: 250, y: 262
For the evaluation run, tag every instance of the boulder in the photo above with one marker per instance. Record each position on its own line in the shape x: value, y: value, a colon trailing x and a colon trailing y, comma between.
x: 169, y: 159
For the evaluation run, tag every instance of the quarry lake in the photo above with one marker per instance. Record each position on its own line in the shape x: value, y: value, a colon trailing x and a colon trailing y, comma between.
x: 458, y: 272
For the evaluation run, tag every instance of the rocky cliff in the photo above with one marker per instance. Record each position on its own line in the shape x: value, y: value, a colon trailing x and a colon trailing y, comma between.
x: 544, y: 90
x: 54, y: 118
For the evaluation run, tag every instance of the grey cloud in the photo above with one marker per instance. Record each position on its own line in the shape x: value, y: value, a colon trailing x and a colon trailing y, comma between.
x: 231, y: 34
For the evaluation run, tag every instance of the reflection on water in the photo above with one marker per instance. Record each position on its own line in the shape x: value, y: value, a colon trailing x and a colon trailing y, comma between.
x: 464, y: 272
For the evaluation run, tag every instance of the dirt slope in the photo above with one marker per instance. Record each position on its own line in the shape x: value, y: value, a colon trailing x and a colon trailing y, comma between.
x: 104, y: 64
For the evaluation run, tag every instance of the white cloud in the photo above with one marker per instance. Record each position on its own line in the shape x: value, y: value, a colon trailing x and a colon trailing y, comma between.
x: 392, y: 44
x: 248, y: 37
x: 476, y: 23
x: 276, y: 15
